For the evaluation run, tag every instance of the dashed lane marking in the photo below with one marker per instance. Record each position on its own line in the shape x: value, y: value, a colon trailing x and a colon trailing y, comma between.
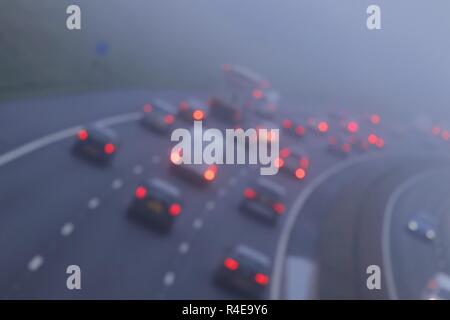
x: 138, y: 169
x: 197, y: 224
x: 169, y: 278
x: 210, y: 205
x: 117, y: 184
x: 93, y: 203
x: 183, y: 247
x: 67, y: 229
x: 35, y: 263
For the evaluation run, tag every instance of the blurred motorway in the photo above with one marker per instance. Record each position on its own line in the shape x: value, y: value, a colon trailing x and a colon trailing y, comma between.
x: 58, y: 210
x: 372, y: 105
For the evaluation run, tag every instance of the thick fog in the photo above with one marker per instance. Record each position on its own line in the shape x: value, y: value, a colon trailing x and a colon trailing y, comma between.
x: 317, y: 53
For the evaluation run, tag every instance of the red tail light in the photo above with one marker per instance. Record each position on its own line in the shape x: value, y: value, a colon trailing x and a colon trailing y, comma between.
x: 198, y: 115
x: 380, y: 143
x: 231, y: 264
x: 279, y: 163
x: 140, y: 193
x: 257, y: 94
x: 109, y: 148
x: 210, y: 173
x: 375, y: 119
x: 148, y: 108
x: 322, y: 126
x: 169, y: 119
x: 346, y: 147
x: 445, y: 135
x: 352, y: 127
x: 287, y: 124
x: 262, y: 279
x: 285, y: 152
x: 83, y: 135
x: 249, y: 193
x: 174, y: 209
x: 278, y: 207
x: 372, y: 139
x: 176, y: 156
x: 184, y: 106
x: 304, y: 163
x: 300, y: 173
x: 436, y: 130
x: 300, y: 131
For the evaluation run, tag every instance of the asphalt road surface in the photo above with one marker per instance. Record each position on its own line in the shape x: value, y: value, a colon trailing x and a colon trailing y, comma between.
x: 58, y: 210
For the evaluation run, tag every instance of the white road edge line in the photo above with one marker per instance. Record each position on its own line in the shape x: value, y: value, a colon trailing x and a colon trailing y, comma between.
x: 386, y: 234
x: 291, y: 217
x: 48, y: 139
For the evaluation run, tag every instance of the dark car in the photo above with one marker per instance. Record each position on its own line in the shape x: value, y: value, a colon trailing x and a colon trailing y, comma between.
x: 294, y: 128
x: 159, y: 116
x: 193, y: 110
x: 423, y: 225
x: 97, y: 144
x: 199, y: 174
x: 264, y: 199
x: 340, y: 145
x: 245, y: 271
x: 225, y: 111
x: 157, y: 204
x: 294, y: 162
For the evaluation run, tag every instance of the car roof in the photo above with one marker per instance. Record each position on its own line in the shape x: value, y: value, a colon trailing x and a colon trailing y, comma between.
x: 163, y: 105
x: 197, y: 102
x: 252, y: 254
x: 246, y: 73
x: 164, y: 186
x: 298, y: 151
x: 424, y: 217
x: 270, y: 186
x: 102, y: 133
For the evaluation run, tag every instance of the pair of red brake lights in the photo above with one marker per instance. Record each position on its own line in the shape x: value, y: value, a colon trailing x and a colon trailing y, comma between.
x: 141, y: 192
x: 109, y: 148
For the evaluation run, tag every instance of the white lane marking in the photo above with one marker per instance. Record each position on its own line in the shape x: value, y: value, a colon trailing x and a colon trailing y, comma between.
x: 117, y: 184
x: 210, y: 205
x: 35, y: 263
x: 291, y: 217
x: 386, y: 228
x: 197, y: 224
x: 222, y: 192
x: 232, y: 181
x: 93, y: 203
x: 121, y: 118
x: 138, y: 169
x: 169, y: 278
x: 46, y: 140
x: 37, y: 144
x: 67, y: 229
x: 156, y: 159
x: 183, y: 248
